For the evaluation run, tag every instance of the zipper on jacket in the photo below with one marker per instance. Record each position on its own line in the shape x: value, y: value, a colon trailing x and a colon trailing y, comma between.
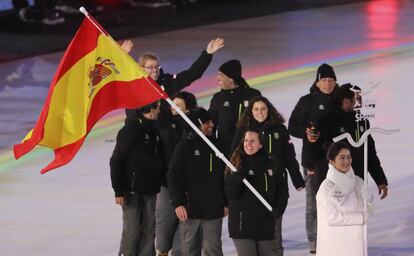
x: 357, y: 135
x: 211, y: 162
x: 270, y: 143
x: 240, y: 110
x: 133, y: 181
x: 265, y: 178
x: 156, y: 146
x: 240, y: 221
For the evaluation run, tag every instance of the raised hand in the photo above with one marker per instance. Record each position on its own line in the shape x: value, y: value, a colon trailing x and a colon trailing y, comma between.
x: 215, y: 45
x: 127, y: 46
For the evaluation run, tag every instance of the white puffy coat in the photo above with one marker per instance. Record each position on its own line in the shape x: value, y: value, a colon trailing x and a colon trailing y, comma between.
x: 340, y: 212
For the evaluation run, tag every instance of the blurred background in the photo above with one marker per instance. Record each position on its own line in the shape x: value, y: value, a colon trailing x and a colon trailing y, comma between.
x: 50, y: 24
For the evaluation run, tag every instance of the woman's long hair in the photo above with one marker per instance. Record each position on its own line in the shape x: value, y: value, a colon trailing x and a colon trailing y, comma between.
x: 273, y: 116
x: 239, y: 153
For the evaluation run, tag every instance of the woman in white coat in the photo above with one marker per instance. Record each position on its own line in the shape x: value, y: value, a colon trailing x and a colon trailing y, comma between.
x: 340, y: 207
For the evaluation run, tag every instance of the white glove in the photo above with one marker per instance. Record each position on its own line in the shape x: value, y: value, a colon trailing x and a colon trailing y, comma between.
x: 367, y: 195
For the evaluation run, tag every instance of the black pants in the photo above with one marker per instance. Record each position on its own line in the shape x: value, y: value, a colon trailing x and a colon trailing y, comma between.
x: 248, y: 247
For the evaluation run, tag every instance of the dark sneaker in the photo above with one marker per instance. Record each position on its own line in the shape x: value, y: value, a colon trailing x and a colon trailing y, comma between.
x: 312, y: 247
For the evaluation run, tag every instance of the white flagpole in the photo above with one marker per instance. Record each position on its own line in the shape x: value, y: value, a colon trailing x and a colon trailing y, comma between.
x: 218, y: 153
x: 184, y: 116
x: 85, y: 12
x: 365, y: 196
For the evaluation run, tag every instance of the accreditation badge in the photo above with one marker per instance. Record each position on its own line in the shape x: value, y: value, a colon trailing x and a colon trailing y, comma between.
x: 270, y: 172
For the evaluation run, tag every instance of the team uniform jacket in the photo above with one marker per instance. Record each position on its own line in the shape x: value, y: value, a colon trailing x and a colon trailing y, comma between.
x: 195, y: 179
x: 172, y: 84
x: 226, y: 107
x: 311, y: 107
x: 278, y: 145
x: 137, y: 163
x: 344, y: 122
x: 248, y: 217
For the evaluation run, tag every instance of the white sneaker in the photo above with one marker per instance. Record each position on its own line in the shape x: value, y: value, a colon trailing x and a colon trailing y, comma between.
x: 67, y: 9
x: 22, y: 14
x: 150, y: 4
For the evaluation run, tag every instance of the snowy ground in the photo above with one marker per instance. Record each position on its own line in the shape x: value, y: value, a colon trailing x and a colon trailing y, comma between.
x: 71, y: 211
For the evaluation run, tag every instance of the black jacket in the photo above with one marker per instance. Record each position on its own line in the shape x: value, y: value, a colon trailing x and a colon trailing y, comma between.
x: 137, y: 162
x: 248, y: 217
x: 171, y: 135
x: 172, y: 84
x: 278, y: 145
x: 195, y: 179
x: 311, y: 108
x: 226, y: 107
x: 346, y: 123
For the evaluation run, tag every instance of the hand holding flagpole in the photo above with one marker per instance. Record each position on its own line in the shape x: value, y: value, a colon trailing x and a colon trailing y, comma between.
x: 212, y: 47
x: 218, y: 153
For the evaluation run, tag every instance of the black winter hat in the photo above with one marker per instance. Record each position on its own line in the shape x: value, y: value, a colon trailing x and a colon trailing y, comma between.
x: 199, y: 116
x: 325, y: 71
x: 344, y: 92
x: 232, y: 69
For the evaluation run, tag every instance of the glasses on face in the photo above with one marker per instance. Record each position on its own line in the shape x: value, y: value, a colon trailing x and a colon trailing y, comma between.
x: 152, y: 67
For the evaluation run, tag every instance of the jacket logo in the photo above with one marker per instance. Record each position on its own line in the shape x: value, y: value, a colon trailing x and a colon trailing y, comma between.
x: 342, y: 129
x: 196, y: 152
x: 147, y: 137
x: 276, y: 135
x: 173, y: 126
x: 246, y: 103
x: 226, y: 104
x: 361, y: 128
x: 321, y: 107
x: 251, y: 172
x: 270, y: 172
x: 102, y: 69
x: 338, y: 195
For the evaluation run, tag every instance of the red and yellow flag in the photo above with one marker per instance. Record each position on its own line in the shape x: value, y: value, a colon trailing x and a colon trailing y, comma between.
x: 94, y: 77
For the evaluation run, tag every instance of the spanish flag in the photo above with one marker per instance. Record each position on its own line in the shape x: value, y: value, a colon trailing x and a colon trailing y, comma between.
x: 94, y: 77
